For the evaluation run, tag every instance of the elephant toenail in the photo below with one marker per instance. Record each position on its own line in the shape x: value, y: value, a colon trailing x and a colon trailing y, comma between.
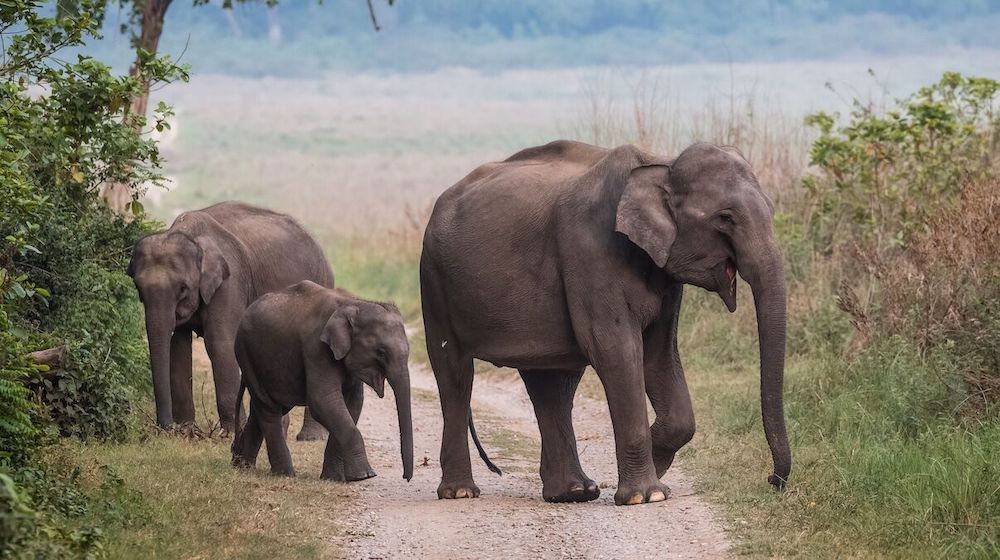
x: 462, y: 493
x: 657, y: 496
x: 634, y: 500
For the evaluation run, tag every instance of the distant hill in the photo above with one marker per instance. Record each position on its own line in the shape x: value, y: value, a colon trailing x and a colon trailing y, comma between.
x: 302, y: 37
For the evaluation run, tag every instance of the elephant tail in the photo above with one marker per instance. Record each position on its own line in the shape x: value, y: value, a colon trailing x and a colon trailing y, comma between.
x: 479, y: 447
x: 238, y: 422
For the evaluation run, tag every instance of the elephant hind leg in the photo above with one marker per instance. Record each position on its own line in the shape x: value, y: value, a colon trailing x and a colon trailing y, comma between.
x: 246, y: 449
x: 270, y: 422
x: 311, y: 429
x: 454, y: 373
x: 551, y: 393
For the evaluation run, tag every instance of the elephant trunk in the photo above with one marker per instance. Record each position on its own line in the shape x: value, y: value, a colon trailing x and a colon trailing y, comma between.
x: 400, y: 382
x: 767, y: 281
x: 159, y: 328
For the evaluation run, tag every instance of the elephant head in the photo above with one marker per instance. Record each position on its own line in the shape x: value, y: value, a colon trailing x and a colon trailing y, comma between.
x: 370, y: 340
x: 175, y: 274
x: 703, y: 218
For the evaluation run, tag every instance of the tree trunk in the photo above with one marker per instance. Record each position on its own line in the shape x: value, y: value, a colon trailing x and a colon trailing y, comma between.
x: 116, y: 195
x: 151, y: 24
x: 51, y: 357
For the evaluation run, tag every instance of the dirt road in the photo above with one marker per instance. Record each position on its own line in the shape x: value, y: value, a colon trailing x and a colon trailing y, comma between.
x: 396, y: 519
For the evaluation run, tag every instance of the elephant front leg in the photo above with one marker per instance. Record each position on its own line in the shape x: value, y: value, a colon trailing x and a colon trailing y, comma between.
x: 345, y: 457
x: 619, y: 366
x: 666, y: 386
x: 333, y: 461
x: 181, y: 393
x: 226, y: 373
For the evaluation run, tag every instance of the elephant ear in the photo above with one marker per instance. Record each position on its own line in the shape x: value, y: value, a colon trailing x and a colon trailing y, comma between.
x: 339, y: 330
x: 131, y: 270
x: 213, y: 267
x: 643, y: 212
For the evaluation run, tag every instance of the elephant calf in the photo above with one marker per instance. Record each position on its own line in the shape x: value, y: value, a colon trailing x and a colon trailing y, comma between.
x: 310, y: 345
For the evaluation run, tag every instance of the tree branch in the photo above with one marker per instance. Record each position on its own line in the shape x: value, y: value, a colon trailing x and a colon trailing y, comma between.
x: 52, y: 357
x: 371, y: 12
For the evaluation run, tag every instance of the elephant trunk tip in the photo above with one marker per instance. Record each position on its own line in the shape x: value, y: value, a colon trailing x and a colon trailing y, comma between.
x: 778, y: 481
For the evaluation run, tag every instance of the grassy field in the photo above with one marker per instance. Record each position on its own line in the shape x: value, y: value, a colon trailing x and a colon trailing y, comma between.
x: 176, y: 496
x: 884, y: 465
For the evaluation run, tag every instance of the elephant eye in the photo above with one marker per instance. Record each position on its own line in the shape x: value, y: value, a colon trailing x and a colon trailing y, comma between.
x: 381, y: 354
x: 727, y: 218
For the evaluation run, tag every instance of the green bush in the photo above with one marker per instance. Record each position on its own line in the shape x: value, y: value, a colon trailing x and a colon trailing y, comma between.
x: 885, y: 173
x: 65, y: 131
x: 59, y: 510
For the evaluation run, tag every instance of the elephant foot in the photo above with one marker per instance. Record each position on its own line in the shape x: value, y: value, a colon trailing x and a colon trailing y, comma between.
x: 290, y: 472
x: 456, y: 490
x: 580, y: 490
x: 311, y: 433
x: 630, y: 495
x: 226, y: 427
x: 360, y: 475
x: 240, y: 462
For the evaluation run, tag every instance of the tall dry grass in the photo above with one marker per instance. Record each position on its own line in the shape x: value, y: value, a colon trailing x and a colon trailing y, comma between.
x: 943, y: 289
x: 649, y: 116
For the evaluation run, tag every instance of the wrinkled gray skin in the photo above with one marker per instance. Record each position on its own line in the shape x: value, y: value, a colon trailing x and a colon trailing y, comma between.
x: 198, y: 277
x: 310, y: 345
x: 568, y: 255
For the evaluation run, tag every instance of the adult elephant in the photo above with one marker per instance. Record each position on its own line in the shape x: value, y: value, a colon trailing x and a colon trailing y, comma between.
x: 198, y: 277
x: 568, y: 255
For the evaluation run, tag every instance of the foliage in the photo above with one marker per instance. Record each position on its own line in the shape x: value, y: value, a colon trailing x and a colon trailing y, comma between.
x: 880, y: 466
x: 59, y: 510
x: 65, y: 130
x: 943, y: 290
x: 905, y: 200
x: 884, y: 174
x: 107, y: 364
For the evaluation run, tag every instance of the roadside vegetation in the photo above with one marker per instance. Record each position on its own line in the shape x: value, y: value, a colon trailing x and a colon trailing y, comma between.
x: 82, y: 472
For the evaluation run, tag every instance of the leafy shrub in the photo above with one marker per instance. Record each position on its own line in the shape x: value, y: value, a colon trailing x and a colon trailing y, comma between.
x: 905, y: 202
x: 51, y: 510
x: 65, y: 129
x: 883, y: 175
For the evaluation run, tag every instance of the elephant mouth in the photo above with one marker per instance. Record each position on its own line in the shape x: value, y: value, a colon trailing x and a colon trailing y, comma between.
x: 725, y: 281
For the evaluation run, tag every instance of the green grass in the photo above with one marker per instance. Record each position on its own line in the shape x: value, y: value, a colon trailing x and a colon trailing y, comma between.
x: 383, y: 267
x: 193, y: 504
x: 178, y: 497
x: 882, y: 467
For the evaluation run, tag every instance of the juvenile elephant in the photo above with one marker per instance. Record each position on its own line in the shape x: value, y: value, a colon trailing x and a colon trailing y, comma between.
x: 199, y: 276
x: 311, y: 345
x: 568, y: 255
